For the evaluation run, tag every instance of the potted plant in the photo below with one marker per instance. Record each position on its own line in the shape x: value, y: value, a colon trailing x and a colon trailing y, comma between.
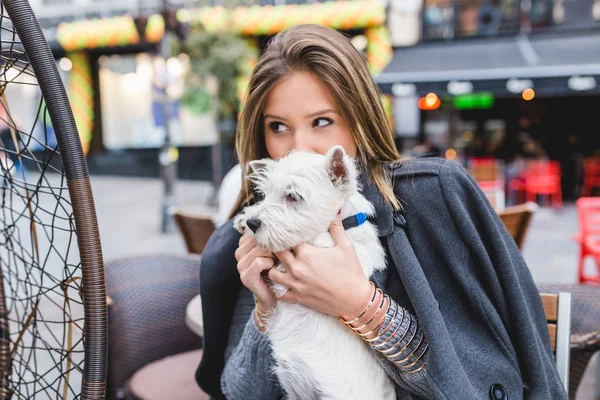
x: 216, y: 60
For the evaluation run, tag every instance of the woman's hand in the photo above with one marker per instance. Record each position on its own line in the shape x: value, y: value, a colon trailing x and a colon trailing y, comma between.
x: 329, y: 280
x: 252, y: 261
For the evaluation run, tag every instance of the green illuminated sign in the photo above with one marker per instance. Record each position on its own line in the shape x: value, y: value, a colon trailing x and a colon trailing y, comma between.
x: 474, y: 101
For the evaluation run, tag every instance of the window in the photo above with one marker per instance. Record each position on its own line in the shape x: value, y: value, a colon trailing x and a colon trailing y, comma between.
x: 487, y: 18
x: 449, y: 18
x: 540, y: 15
x: 574, y: 15
x: 438, y: 19
x: 140, y: 124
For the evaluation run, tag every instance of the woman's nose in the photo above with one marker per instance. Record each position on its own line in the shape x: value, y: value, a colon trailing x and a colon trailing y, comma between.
x: 303, y: 141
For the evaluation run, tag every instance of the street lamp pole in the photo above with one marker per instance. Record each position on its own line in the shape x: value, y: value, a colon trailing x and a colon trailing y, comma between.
x: 168, y: 154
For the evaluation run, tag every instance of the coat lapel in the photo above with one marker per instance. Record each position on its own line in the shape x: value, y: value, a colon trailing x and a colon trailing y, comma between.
x: 392, y: 227
x: 384, y: 214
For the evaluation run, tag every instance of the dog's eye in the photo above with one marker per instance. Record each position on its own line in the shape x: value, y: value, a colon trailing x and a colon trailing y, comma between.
x: 293, y: 197
x: 258, y: 196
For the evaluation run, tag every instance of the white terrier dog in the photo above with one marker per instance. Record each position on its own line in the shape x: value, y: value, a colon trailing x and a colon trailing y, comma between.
x: 316, y: 356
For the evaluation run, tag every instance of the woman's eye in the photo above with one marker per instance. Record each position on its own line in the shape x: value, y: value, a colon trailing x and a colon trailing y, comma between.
x: 277, y: 127
x: 321, y: 122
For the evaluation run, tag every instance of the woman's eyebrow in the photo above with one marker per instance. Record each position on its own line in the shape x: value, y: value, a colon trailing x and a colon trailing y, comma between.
x: 329, y: 110
x: 273, y: 116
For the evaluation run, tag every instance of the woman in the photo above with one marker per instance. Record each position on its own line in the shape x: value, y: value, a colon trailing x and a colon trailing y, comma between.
x: 464, y: 319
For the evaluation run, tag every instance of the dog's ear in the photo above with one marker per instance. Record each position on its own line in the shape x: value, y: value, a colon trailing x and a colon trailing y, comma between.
x: 337, y: 169
x: 257, y: 165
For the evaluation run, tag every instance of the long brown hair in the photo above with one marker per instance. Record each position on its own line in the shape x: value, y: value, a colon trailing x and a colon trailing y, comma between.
x: 331, y: 57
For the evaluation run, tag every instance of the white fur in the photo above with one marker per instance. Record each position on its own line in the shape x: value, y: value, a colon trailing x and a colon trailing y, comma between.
x: 316, y: 356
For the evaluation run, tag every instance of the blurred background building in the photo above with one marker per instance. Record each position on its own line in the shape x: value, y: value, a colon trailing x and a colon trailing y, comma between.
x: 509, y: 79
x: 107, y: 52
x: 509, y: 88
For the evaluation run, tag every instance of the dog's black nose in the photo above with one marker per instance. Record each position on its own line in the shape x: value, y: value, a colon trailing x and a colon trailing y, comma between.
x: 253, y: 224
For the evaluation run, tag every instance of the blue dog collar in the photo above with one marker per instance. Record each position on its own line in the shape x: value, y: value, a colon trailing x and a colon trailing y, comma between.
x: 354, y: 220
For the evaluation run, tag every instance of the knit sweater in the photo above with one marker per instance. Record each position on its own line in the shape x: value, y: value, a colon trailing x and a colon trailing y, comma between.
x: 249, y: 359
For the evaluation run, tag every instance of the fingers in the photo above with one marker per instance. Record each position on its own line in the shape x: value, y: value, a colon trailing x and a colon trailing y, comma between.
x: 246, y: 244
x: 254, y: 281
x: 302, y: 248
x: 283, y: 278
x: 252, y: 261
x: 338, y: 234
x: 260, y: 264
x: 253, y: 272
x: 286, y: 257
x: 245, y: 238
x: 250, y: 256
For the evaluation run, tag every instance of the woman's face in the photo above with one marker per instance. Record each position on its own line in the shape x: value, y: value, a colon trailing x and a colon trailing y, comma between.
x: 301, y: 114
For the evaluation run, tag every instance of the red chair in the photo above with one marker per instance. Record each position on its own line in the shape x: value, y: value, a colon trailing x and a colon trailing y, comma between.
x: 517, y: 186
x: 588, y: 209
x: 542, y: 177
x: 591, y: 176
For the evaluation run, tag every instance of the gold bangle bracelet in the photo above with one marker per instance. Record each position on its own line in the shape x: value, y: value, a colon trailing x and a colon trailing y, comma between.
x: 406, y: 346
x: 258, y: 311
x: 417, y: 359
x: 363, y: 311
x: 374, y: 315
x: 389, y: 325
x: 260, y: 314
x: 399, y: 362
x: 416, y: 370
x: 261, y: 323
x: 377, y: 346
x: 378, y: 326
x: 399, y: 340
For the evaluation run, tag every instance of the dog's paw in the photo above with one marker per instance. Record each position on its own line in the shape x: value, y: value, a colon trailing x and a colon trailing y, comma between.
x: 279, y: 267
x: 239, y: 222
x: 278, y: 289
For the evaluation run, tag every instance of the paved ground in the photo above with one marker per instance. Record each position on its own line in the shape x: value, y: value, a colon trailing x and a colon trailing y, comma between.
x: 129, y: 214
x: 548, y: 249
x: 129, y: 217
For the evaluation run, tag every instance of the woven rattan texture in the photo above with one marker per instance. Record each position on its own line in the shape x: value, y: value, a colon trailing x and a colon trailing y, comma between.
x: 585, y: 312
x: 585, y: 327
x: 50, y: 254
x: 147, y: 318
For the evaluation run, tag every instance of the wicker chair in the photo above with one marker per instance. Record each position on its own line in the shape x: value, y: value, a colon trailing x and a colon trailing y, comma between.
x: 557, y: 308
x: 147, y: 324
x: 52, y: 295
x: 585, y: 329
x: 195, y: 229
x: 517, y: 219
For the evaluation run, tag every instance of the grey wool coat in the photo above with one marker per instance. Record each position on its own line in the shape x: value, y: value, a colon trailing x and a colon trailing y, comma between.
x: 452, y: 263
